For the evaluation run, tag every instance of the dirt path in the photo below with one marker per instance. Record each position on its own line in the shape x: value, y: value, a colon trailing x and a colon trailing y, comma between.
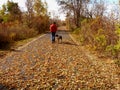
x: 41, y: 65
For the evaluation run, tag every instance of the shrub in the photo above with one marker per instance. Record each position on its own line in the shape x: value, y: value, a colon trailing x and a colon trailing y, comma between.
x: 100, y: 41
x: 22, y: 32
x: 12, y: 32
x: 5, y: 38
x: 76, y: 31
x: 40, y: 24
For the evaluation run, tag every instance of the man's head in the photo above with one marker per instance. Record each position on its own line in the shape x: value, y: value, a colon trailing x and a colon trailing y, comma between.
x: 54, y: 22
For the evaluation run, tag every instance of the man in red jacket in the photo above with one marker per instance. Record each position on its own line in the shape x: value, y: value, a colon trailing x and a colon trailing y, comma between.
x: 53, y: 29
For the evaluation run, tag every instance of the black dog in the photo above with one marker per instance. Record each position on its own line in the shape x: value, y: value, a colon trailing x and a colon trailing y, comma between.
x: 59, y: 38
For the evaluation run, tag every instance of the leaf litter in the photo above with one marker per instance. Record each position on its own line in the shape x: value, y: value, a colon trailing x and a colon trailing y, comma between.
x: 46, y: 66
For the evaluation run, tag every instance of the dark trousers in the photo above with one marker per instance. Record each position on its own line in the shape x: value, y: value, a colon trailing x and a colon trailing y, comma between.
x: 53, y: 36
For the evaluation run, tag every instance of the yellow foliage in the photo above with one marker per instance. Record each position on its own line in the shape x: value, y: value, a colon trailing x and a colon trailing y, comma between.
x: 100, y: 34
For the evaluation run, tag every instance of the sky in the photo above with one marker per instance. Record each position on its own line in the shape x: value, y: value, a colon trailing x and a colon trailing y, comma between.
x: 54, y: 8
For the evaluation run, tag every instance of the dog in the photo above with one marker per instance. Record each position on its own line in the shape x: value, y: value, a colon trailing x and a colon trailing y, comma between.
x: 59, y: 38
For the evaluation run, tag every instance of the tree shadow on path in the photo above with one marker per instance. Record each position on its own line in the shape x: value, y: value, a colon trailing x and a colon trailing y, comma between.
x: 69, y: 43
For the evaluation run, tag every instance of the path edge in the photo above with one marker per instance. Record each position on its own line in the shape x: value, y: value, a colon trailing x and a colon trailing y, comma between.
x: 21, y: 47
x: 74, y: 39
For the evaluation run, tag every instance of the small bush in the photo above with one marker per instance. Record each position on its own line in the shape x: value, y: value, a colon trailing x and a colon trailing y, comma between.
x: 114, y: 50
x: 40, y: 24
x: 22, y: 32
x: 76, y: 31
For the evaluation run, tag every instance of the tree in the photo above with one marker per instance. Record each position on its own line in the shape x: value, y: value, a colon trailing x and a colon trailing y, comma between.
x: 74, y: 6
x: 35, y: 9
x: 30, y: 11
x: 40, y: 8
x: 4, y: 9
x: 11, y: 11
x: 14, y: 10
x: 96, y: 8
x: 99, y: 8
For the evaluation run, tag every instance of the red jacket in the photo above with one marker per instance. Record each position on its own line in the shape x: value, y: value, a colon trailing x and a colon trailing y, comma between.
x: 53, y: 28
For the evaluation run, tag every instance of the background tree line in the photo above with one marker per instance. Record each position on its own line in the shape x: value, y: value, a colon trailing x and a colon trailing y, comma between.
x: 16, y: 24
x: 94, y: 25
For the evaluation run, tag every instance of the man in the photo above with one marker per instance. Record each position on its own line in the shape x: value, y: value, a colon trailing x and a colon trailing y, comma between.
x: 53, y: 29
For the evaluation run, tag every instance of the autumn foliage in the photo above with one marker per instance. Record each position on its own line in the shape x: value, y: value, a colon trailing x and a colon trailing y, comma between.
x: 100, y: 34
x: 18, y: 25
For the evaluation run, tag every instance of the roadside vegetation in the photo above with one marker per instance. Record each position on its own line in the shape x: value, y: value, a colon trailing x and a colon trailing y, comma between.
x: 17, y: 25
x: 94, y: 26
